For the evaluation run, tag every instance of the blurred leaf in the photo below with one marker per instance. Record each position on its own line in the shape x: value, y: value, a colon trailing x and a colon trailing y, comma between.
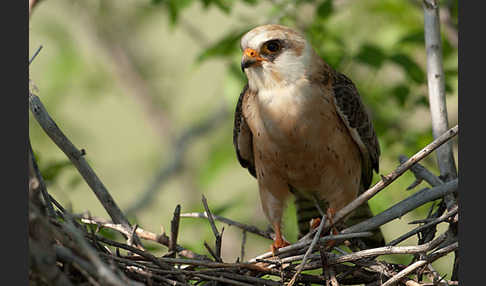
x: 401, y: 92
x: 422, y: 100
x: 74, y: 181
x: 371, y: 55
x: 325, y: 9
x: 447, y: 49
x: 411, y: 68
x: 413, y: 37
x: 174, y: 7
x: 51, y: 171
x: 224, y: 5
x: 225, y: 47
x: 251, y: 2
x: 106, y: 232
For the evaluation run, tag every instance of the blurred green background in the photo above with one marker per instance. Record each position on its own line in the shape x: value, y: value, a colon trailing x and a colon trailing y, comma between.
x: 126, y: 79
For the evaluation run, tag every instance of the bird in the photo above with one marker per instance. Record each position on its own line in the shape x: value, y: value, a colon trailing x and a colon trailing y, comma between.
x: 302, y: 129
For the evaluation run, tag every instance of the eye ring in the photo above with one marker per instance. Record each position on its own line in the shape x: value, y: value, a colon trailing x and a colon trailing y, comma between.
x: 272, y: 46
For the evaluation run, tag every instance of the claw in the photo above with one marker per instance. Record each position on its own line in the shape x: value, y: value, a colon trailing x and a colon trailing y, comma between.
x: 278, y: 243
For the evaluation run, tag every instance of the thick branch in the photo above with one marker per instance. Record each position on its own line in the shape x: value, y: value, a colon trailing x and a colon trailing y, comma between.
x: 403, y: 207
x: 77, y: 158
x: 436, y: 85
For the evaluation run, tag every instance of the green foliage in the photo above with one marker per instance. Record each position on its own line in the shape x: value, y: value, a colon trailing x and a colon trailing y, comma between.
x: 225, y: 47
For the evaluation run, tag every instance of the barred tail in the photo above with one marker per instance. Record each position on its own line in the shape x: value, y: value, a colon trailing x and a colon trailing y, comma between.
x: 306, y: 211
x: 362, y: 213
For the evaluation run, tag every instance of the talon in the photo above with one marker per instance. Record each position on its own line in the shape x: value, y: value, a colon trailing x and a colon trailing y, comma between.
x: 278, y: 243
x: 315, y: 222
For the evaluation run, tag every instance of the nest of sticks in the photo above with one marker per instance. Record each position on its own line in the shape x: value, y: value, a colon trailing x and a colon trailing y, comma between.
x: 69, y: 249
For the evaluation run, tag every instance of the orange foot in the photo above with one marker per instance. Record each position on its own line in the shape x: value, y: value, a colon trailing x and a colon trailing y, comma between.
x: 279, y: 242
x: 330, y: 214
x: 315, y: 222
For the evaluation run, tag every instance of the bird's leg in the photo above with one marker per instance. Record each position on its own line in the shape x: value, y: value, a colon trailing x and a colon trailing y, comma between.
x: 330, y: 214
x: 315, y: 222
x: 279, y: 241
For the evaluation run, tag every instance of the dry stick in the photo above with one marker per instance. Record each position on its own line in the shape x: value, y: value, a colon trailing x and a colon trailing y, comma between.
x: 244, y: 227
x: 388, y: 179
x: 158, y: 261
x: 66, y: 255
x: 159, y: 277
x: 77, y: 158
x: 443, y: 251
x: 404, y: 206
x: 144, y: 234
x: 395, y: 279
x: 309, y: 251
x: 243, y: 242
x: 162, y: 261
x: 421, y: 173
x: 429, y: 259
x: 334, y: 259
x: 231, y: 275
x: 174, y: 230
x: 35, y: 54
x: 298, y: 246
x: 105, y: 274
x: 438, y: 220
x: 436, y: 85
x: 42, y: 262
x: 215, y: 230
x: 40, y: 184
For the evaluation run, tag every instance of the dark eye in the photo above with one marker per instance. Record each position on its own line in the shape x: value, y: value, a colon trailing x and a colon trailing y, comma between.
x: 273, y: 46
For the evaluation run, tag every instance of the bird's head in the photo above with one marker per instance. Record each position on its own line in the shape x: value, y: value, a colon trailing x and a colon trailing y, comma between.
x: 274, y: 55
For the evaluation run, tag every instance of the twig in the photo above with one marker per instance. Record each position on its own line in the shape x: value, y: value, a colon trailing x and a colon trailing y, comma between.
x: 245, y: 227
x: 35, y: 54
x: 386, y: 180
x: 352, y: 257
x: 309, y: 251
x: 217, y: 235
x: 143, y: 234
x: 77, y: 158
x: 105, y: 274
x: 435, y: 221
x: 421, y: 173
x: 404, y: 272
x: 404, y: 206
x: 243, y: 242
x: 36, y: 182
x: 174, y: 229
x: 298, y: 246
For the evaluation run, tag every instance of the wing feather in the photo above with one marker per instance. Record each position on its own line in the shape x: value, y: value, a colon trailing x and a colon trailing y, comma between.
x: 353, y: 112
x: 242, y: 137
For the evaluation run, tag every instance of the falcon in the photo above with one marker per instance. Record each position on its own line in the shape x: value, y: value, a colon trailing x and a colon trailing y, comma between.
x: 301, y: 129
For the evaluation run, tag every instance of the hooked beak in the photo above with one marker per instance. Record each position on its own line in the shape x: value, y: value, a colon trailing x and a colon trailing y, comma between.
x: 250, y: 58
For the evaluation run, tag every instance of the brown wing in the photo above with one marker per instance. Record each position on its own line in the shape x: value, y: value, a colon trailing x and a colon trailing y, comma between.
x: 243, y: 138
x: 353, y: 113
